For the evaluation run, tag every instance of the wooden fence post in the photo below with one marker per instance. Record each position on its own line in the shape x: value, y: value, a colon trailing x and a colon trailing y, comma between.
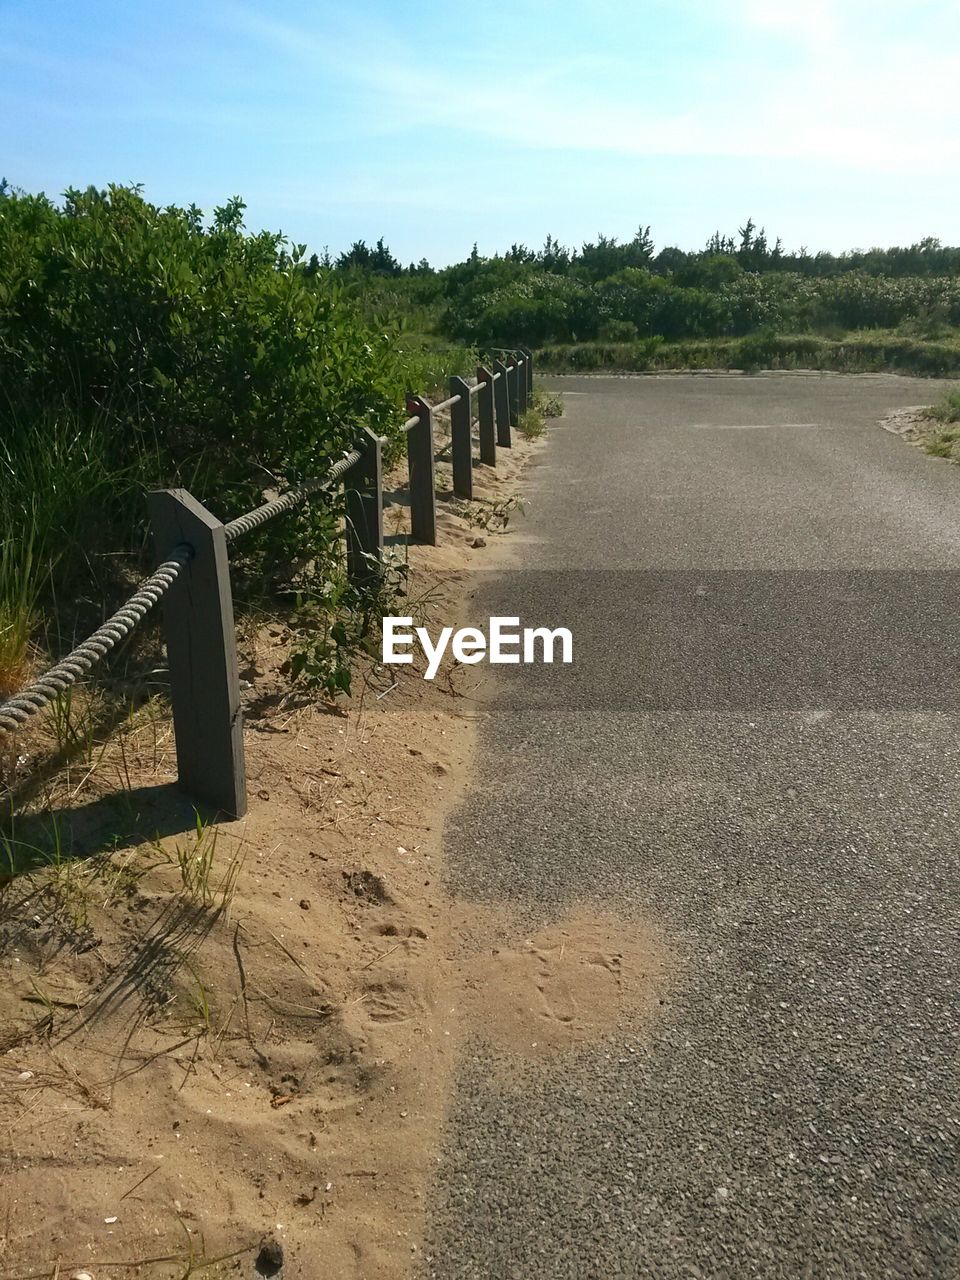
x: 462, y: 451
x: 501, y: 397
x: 513, y: 387
x: 528, y: 367
x: 423, y: 496
x: 521, y: 380
x: 485, y: 412
x: 201, y: 654
x: 363, y: 490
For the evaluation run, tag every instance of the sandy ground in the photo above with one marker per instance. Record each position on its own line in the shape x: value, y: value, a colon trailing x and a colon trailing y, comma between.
x: 909, y: 422
x: 229, y: 1050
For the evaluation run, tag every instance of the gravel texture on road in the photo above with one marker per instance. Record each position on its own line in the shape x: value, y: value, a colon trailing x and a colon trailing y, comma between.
x: 791, y: 1109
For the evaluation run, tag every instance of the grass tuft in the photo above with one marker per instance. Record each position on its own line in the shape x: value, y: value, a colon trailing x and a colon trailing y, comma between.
x: 18, y: 601
x: 946, y: 409
x: 532, y: 424
x: 549, y: 403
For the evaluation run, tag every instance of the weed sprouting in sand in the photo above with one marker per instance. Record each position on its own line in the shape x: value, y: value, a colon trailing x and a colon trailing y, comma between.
x: 195, y: 858
x: 549, y: 403
x: 494, y: 515
x: 340, y: 621
x: 531, y: 424
x: 61, y: 883
x: 543, y: 405
x: 199, y: 999
x: 194, y: 861
x: 943, y: 440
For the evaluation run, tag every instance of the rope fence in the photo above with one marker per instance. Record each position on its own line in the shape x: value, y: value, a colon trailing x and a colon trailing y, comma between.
x: 193, y: 578
x: 287, y: 501
x: 17, y: 710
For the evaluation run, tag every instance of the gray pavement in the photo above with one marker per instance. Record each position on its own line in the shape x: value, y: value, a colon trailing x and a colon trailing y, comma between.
x: 774, y: 787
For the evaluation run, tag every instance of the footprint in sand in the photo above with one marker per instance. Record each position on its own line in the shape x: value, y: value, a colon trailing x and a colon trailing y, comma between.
x: 572, y: 982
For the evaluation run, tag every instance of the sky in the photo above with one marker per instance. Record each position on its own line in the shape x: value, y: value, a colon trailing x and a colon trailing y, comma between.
x: 834, y: 124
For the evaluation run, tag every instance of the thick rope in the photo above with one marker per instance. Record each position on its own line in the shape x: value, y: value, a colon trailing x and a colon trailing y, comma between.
x: 292, y: 498
x: 18, y: 709
x: 15, y: 711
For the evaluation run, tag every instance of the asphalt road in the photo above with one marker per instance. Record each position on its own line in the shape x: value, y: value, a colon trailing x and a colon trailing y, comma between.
x: 757, y: 751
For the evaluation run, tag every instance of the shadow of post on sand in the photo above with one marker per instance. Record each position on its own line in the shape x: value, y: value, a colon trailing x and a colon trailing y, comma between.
x: 32, y: 840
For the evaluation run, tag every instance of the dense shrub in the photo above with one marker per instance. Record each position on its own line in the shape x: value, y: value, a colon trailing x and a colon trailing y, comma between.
x: 726, y: 291
x: 618, y: 331
x: 863, y: 353
x: 211, y: 351
x: 142, y: 348
x: 711, y: 271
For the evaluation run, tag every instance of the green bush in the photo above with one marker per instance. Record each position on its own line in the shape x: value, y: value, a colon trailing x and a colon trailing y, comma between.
x: 141, y: 348
x: 858, y: 353
x: 947, y: 409
x: 210, y: 351
x: 548, y: 403
x: 678, y: 296
x: 195, y: 355
x: 618, y: 331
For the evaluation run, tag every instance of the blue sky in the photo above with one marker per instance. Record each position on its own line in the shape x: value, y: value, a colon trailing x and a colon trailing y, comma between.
x: 834, y: 123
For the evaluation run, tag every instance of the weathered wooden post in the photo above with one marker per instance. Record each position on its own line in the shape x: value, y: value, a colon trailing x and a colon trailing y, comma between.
x: 363, y: 489
x: 462, y: 454
x: 423, y: 497
x: 528, y: 367
x: 501, y: 397
x: 487, y: 417
x: 201, y: 654
x: 521, y: 381
x: 513, y: 388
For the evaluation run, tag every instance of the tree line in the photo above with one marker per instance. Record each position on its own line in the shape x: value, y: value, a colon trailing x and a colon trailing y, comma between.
x: 620, y: 291
x: 751, y: 249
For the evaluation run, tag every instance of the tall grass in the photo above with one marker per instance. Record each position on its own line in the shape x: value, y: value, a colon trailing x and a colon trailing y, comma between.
x: 63, y: 505
x: 875, y: 352
x: 946, y: 409
x: 19, y: 590
x: 427, y: 365
x: 943, y: 439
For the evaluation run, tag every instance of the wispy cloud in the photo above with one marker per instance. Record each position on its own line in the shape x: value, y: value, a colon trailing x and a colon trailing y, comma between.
x: 813, y: 113
x: 826, y: 103
x: 345, y: 119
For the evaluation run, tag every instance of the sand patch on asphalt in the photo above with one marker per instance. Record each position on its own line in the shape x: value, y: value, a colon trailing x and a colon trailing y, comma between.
x: 910, y: 423
x: 185, y: 1079
x: 569, y: 984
